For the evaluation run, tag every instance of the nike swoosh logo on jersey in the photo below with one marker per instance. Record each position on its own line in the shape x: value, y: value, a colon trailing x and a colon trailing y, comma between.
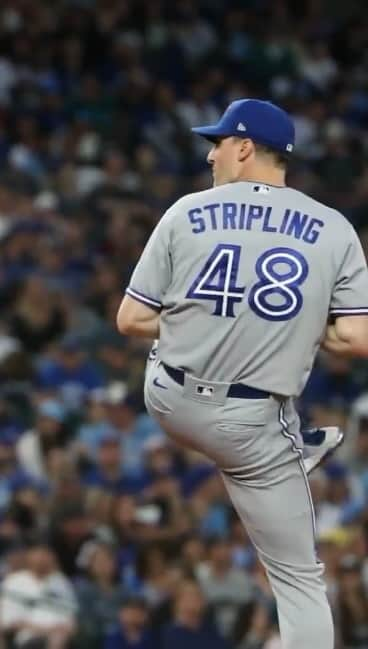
x: 158, y: 384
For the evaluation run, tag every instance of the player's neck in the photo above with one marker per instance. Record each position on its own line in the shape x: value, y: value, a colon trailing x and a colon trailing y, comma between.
x: 267, y: 176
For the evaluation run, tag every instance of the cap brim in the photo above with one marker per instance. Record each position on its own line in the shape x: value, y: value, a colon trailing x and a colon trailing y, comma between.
x: 211, y: 133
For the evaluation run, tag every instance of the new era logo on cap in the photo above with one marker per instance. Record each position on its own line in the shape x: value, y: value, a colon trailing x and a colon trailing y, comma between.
x: 241, y: 127
x: 289, y: 147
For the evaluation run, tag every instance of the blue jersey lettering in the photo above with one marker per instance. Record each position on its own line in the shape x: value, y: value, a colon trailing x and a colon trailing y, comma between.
x: 212, y: 210
x: 197, y: 221
x: 296, y: 224
x: 254, y: 212
x: 234, y: 216
x: 229, y: 211
x: 311, y: 234
x: 266, y: 227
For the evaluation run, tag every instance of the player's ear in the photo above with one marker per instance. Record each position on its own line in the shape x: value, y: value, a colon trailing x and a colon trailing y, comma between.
x: 246, y: 149
x: 210, y: 157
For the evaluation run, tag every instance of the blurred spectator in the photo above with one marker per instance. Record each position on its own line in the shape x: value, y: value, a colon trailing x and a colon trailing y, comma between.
x: 317, y: 66
x: 134, y: 428
x: 192, y: 554
x: 96, y: 104
x: 69, y: 372
x: 36, y: 320
x: 37, y: 604
x: 189, y: 627
x: 262, y: 589
x: 204, y: 489
x: 35, y: 446
x: 353, y: 604
x: 340, y: 504
x: 15, y: 363
x: 154, y: 574
x: 160, y: 458
x: 105, y: 282
x: 358, y: 456
x: 226, y: 588
x: 125, y: 526
x: 242, y: 550
x: 10, y: 422
x: 12, y: 475
x: 330, y: 547
x: 70, y: 528
x: 133, y: 631
x: 116, y: 173
x: 98, y: 593
x: 199, y: 108
x: 331, y: 388
x: 11, y: 544
x: 116, y: 412
x: 253, y: 627
x: 27, y: 508
x: 107, y: 472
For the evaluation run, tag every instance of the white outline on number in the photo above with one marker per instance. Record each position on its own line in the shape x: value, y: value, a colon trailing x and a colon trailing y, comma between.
x: 225, y: 293
x: 227, y: 281
x: 274, y: 283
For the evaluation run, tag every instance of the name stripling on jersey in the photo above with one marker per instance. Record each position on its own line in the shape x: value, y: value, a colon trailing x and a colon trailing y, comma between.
x: 240, y: 216
x: 235, y: 267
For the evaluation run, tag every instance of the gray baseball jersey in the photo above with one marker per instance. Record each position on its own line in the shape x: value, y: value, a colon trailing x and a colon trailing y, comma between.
x: 245, y: 276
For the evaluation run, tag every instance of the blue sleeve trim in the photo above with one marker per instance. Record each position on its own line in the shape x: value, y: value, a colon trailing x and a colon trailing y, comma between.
x: 154, y: 304
x: 362, y: 310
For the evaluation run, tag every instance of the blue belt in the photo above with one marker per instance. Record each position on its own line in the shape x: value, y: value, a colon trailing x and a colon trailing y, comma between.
x: 236, y: 390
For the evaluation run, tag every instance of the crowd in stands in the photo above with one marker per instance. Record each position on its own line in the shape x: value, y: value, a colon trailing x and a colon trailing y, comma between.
x: 110, y: 536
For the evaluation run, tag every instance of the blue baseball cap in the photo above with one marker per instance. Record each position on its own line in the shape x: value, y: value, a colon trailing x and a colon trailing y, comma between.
x: 256, y: 119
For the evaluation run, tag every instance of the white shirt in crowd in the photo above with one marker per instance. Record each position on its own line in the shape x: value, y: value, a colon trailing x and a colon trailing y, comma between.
x: 29, y: 600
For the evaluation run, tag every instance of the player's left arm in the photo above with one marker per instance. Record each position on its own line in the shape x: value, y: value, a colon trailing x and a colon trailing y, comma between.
x: 139, y: 312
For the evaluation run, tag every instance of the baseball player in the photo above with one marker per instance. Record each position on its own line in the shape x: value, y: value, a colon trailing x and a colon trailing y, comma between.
x: 318, y: 443
x: 242, y: 283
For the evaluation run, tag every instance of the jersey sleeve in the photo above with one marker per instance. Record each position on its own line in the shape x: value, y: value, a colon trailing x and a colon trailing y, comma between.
x: 152, y: 275
x: 350, y: 294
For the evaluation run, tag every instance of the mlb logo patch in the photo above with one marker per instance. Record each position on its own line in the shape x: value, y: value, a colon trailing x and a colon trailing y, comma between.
x: 261, y: 189
x: 204, y: 390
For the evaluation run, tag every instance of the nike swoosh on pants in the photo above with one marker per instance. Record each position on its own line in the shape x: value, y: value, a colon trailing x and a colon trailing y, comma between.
x: 157, y: 383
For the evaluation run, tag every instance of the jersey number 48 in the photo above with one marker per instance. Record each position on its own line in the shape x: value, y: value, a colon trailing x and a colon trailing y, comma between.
x: 276, y: 294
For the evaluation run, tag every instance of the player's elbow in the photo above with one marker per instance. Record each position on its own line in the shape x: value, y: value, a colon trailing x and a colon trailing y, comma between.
x: 124, y: 319
x: 129, y: 316
x: 125, y: 323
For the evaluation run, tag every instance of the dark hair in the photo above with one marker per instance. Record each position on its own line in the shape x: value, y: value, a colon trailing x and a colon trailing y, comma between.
x: 280, y: 159
x: 134, y: 601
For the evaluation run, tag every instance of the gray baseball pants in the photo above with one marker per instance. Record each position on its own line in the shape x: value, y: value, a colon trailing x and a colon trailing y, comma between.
x: 254, y: 445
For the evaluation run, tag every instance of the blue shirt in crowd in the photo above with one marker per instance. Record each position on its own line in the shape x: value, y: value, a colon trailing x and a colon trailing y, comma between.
x: 117, y: 640
x: 144, y: 428
x: 177, y: 636
x: 52, y: 374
